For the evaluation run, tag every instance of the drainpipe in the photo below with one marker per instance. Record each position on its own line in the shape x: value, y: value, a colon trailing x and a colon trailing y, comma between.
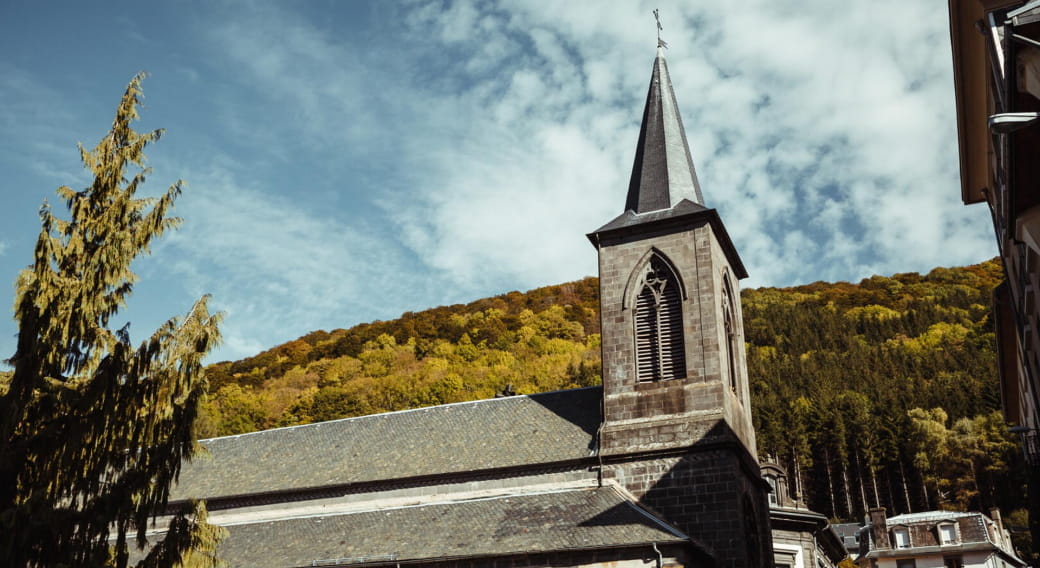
x: 660, y: 557
x: 599, y: 448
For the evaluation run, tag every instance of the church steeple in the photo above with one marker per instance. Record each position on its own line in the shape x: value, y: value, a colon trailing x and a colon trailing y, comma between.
x: 663, y: 172
x: 672, y: 335
x: 677, y: 430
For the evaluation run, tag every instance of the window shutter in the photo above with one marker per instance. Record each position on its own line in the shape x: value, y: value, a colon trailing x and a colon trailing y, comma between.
x: 660, y: 349
x: 673, y: 358
x: 646, y: 332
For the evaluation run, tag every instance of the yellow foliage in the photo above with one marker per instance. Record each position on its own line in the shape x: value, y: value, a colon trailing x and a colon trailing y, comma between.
x: 497, y: 357
x: 339, y: 370
x: 444, y: 350
x: 593, y: 341
x: 434, y: 364
x: 873, y: 311
x: 557, y: 346
x: 764, y: 351
x: 939, y: 334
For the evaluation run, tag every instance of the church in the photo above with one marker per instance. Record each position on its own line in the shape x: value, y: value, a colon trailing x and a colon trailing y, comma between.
x: 657, y: 467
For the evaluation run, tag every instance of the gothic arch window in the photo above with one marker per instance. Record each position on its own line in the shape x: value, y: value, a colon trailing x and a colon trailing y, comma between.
x: 660, y: 349
x: 729, y: 322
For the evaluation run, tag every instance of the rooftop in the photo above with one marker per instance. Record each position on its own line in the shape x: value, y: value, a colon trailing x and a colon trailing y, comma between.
x: 534, y: 523
x: 928, y: 516
x: 474, y: 436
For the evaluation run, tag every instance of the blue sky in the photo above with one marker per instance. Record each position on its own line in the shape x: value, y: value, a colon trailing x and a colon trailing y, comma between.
x: 350, y: 161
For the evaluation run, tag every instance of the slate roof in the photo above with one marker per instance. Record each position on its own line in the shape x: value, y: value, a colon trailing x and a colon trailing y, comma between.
x: 527, y: 524
x: 928, y: 516
x: 685, y: 211
x: 663, y: 172
x: 455, y: 438
x: 630, y: 218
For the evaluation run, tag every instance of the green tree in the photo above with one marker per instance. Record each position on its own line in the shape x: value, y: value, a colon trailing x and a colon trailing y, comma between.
x: 241, y: 411
x: 93, y: 430
x: 930, y: 443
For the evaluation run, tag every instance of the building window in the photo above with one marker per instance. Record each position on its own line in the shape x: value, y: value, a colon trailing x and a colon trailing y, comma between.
x: 947, y: 534
x: 901, y: 538
x: 785, y: 558
x: 906, y: 563
x: 773, y: 498
x: 953, y: 562
x: 730, y: 325
x: 660, y: 349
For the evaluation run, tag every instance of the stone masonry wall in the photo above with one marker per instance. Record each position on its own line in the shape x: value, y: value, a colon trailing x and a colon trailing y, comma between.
x: 704, y: 494
x: 702, y: 474
x: 704, y: 394
x: 738, y: 403
x: 618, y: 261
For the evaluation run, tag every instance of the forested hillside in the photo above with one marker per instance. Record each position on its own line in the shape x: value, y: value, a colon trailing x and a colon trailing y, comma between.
x: 877, y: 393
x: 542, y: 340
x: 883, y: 393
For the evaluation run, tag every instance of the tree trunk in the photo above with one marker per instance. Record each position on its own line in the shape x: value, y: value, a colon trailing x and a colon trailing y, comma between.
x: 873, y: 481
x: 830, y: 481
x: 906, y: 490
x: 975, y: 480
x: 797, y: 473
x: 848, y: 489
x: 859, y: 478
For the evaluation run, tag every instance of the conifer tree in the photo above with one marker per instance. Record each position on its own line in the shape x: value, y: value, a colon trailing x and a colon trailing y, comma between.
x: 92, y: 429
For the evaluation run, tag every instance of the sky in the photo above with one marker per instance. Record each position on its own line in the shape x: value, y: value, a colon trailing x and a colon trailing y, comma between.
x: 350, y: 161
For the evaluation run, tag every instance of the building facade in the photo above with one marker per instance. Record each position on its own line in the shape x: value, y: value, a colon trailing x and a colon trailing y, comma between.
x: 655, y: 468
x: 936, y: 539
x: 996, y: 64
x: 801, y: 538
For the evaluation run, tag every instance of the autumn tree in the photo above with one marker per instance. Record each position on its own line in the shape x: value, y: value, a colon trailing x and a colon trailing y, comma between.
x: 93, y: 430
x: 834, y: 371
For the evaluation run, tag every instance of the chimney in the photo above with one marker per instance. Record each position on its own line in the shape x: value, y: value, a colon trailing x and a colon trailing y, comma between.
x: 879, y: 528
x: 994, y: 514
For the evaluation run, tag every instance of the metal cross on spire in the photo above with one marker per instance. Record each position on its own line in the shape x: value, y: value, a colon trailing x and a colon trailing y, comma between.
x: 660, y: 42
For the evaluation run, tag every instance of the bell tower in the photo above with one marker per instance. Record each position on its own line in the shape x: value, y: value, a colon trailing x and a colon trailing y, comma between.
x: 677, y: 429
x: 673, y: 339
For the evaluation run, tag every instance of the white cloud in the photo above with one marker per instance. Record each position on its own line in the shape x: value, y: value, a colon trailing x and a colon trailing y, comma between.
x: 797, y: 117
x: 490, y: 138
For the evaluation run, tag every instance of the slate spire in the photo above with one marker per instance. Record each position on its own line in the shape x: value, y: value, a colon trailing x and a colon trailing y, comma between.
x: 663, y: 172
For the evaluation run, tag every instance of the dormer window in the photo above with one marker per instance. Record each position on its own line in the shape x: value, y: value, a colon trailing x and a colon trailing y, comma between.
x: 947, y: 534
x: 774, y: 497
x: 901, y: 537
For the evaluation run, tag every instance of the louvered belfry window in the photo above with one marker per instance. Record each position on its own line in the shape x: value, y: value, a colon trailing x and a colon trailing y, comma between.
x: 659, y: 332
x: 729, y: 322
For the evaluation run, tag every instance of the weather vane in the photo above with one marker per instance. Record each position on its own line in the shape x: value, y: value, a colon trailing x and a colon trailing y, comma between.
x: 660, y: 42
